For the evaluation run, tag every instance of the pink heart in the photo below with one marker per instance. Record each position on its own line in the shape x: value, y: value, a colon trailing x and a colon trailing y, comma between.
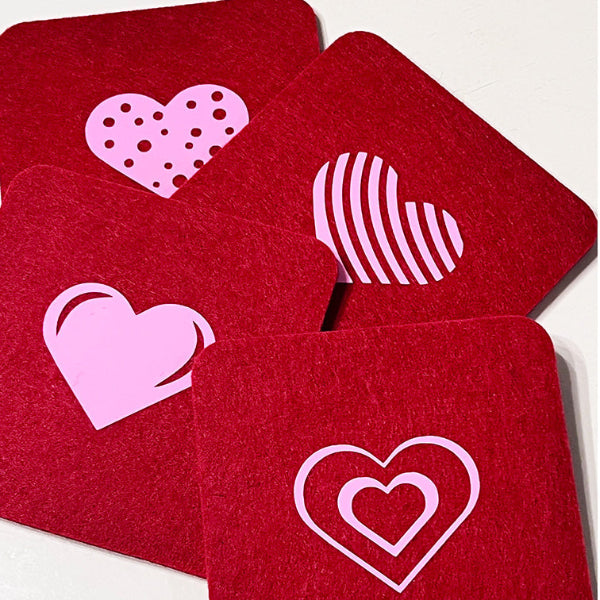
x: 161, y: 147
x: 407, y: 242
x: 345, y: 498
x: 116, y: 362
x: 418, y: 480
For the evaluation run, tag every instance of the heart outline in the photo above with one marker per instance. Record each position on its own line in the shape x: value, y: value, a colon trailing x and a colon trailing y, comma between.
x: 351, y: 488
x: 319, y: 455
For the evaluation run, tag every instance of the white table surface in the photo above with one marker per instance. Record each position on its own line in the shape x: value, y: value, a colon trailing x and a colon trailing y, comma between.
x: 528, y: 67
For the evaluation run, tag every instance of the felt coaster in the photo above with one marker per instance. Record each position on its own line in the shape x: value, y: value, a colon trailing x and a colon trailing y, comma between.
x: 106, y: 294
x: 122, y: 96
x: 429, y: 460
x: 431, y: 212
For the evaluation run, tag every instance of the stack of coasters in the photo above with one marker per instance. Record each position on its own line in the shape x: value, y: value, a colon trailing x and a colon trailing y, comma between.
x: 106, y: 295
x: 119, y: 96
x: 431, y: 213
x: 429, y: 460
x: 424, y: 460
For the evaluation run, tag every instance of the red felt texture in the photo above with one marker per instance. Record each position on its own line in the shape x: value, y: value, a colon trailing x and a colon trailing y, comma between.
x: 131, y: 487
x: 54, y: 73
x: 521, y: 230
x: 489, y: 385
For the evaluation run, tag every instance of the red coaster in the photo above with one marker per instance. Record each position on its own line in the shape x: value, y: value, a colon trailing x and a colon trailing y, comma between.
x: 106, y: 294
x: 120, y: 96
x: 429, y: 460
x: 431, y: 212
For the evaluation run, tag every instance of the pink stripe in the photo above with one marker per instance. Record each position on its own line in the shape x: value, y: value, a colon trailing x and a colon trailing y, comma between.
x: 415, y: 227
x: 454, y: 233
x: 392, y: 206
x: 375, y: 211
x: 357, y: 215
x: 322, y: 230
x: 436, y: 234
x: 340, y: 218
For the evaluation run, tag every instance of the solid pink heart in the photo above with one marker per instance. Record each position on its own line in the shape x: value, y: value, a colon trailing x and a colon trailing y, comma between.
x: 116, y: 362
x: 161, y: 147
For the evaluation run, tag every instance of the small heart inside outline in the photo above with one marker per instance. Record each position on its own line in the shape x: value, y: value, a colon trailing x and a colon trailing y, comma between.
x: 350, y: 490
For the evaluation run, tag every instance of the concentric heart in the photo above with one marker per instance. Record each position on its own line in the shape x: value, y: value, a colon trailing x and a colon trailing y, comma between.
x: 116, y: 362
x: 349, y: 491
x: 161, y: 147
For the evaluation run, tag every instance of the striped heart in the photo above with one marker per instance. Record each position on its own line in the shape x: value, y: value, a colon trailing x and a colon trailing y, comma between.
x: 358, y: 216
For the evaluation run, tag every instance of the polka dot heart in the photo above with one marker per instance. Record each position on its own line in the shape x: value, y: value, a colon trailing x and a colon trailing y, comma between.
x: 161, y: 147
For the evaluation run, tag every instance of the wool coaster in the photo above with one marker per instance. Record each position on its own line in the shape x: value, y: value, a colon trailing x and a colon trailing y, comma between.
x: 121, y: 95
x: 429, y: 460
x: 432, y: 214
x: 105, y: 294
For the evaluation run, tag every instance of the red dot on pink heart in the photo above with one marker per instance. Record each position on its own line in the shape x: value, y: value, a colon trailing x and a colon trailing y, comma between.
x: 156, y: 184
x: 139, y: 121
x: 229, y: 131
x: 109, y: 143
x: 128, y: 162
x: 196, y: 132
x: 217, y: 96
x: 144, y: 146
x: 126, y: 107
x: 164, y: 131
x: 191, y: 104
x: 189, y: 145
x: 214, y: 149
x: 198, y: 163
x: 179, y: 180
x: 219, y: 114
x: 108, y: 122
x: 168, y: 165
x: 157, y: 115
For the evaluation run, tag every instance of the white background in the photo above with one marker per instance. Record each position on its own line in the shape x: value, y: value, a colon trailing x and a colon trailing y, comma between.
x: 526, y: 66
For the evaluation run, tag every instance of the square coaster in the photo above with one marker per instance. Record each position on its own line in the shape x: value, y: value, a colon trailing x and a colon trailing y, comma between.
x: 106, y: 296
x: 121, y: 96
x: 424, y: 461
x: 432, y: 214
